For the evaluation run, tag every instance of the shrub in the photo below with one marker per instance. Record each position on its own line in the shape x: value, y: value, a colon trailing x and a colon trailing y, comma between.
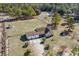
x: 27, y: 53
x: 46, y: 47
x: 43, y: 40
x: 25, y: 45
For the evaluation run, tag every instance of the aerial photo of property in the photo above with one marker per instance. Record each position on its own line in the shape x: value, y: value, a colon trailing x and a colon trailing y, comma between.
x: 39, y: 29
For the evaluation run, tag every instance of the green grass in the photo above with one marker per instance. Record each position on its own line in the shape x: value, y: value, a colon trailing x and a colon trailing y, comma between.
x: 20, y: 28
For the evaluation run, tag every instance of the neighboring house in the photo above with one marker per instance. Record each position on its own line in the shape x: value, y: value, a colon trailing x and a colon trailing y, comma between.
x: 4, y: 17
x: 76, y: 17
x: 3, y: 14
x: 39, y: 33
x: 50, y: 14
x: 7, y: 19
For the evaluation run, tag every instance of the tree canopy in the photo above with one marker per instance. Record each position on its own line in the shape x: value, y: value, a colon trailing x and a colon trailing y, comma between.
x: 56, y: 19
x: 33, y: 9
x: 70, y: 22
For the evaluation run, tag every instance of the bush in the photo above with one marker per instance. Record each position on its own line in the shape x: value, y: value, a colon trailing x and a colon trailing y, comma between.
x: 25, y: 45
x: 46, y: 47
x: 75, y: 51
x: 60, y: 53
x: 43, y: 40
x: 50, y: 53
x: 52, y: 39
x: 27, y: 53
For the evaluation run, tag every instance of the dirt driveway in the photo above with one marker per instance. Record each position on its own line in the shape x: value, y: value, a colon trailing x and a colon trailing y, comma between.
x: 38, y: 48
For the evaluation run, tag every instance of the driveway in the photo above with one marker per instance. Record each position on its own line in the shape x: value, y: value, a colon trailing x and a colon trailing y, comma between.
x: 38, y: 48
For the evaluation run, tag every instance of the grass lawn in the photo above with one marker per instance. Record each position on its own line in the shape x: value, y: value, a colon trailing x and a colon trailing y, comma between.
x: 20, y: 27
x: 58, y: 40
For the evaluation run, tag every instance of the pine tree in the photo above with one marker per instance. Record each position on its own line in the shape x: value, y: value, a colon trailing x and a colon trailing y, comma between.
x: 56, y: 19
x: 70, y: 22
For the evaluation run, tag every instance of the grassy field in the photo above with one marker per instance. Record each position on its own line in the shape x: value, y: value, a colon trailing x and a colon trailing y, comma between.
x: 14, y: 34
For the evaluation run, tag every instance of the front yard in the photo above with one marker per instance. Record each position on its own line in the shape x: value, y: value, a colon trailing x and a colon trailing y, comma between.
x: 21, y: 27
x: 14, y: 34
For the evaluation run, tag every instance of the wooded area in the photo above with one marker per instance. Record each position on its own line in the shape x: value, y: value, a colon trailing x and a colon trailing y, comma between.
x: 35, y: 9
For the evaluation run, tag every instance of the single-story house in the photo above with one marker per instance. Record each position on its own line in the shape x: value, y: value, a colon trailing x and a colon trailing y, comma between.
x: 7, y: 19
x: 76, y: 18
x: 3, y: 14
x: 4, y: 17
x: 39, y: 33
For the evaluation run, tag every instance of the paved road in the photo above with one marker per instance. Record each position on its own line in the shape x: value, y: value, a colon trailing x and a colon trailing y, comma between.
x: 38, y: 48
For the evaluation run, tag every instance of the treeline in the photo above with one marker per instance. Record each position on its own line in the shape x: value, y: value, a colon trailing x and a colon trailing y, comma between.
x: 18, y: 9
x: 35, y: 9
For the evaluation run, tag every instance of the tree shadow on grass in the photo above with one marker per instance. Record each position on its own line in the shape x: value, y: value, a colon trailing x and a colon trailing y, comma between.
x: 23, y: 38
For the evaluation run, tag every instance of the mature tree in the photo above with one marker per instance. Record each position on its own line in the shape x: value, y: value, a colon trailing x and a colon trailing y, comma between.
x: 61, y: 12
x: 0, y: 7
x: 75, y: 50
x: 49, y: 53
x: 31, y: 11
x: 70, y: 22
x: 56, y: 19
x: 28, y: 11
x: 11, y: 11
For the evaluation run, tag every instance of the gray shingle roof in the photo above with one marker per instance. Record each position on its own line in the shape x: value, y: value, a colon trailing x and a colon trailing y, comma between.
x: 36, y: 32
